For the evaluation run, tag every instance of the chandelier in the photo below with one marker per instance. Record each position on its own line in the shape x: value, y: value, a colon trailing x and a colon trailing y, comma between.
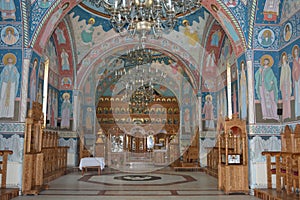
x: 144, y: 17
x: 138, y: 79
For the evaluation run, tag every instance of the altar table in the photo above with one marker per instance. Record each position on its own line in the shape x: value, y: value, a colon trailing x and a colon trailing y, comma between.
x: 92, y: 162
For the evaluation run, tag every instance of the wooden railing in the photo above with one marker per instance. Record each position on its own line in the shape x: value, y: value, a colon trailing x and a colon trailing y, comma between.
x: 212, y: 161
x: 55, y: 163
x: 43, y: 159
x: 285, y: 163
x: 3, y: 163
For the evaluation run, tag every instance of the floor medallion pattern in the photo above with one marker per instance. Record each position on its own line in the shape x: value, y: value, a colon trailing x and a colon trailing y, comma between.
x: 137, y: 177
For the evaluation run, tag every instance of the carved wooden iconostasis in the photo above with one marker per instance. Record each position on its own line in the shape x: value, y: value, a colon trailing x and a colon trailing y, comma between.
x: 130, y: 135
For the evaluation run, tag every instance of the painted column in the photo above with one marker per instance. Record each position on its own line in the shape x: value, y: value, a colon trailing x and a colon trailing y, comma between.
x: 229, y: 102
x: 76, y: 105
x: 24, y: 84
x: 45, y: 90
x: 251, y: 105
x: 199, y: 104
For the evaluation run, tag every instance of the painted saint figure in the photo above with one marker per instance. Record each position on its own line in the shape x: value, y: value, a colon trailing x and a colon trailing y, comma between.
x: 211, y: 62
x: 266, y: 38
x: 208, y: 111
x: 65, y: 65
x: 8, y: 9
x: 10, y: 36
x: 285, y: 87
x: 187, y: 122
x: 266, y: 88
x: 287, y: 32
x: 9, y: 83
x: 53, y: 107
x: 40, y: 94
x: 33, y: 84
x: 215, y: 38
x: 87, y: 32
x: 50, y: 25
x: 60, y: 36
x: 234, y: 99
x: 296, y: 79
x: 89, y: 119
x: 190, y: 33
x: 66, y: 109
x: 243, y: 93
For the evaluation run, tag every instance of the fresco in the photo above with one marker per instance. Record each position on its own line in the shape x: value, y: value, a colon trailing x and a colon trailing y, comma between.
x: 266, y: 37
x: 268, y: 12
x: 266, y: 87
x: 9, y: 10
x: 10, y: 35
x: 52, y: 108
x: 9, y: 84
x: 65, y: 109
x: 51, y: 53
x: 296, y: 78
x: 289, y: 30
x: 289, y: 8
x: 63, y: 45
x: 91, y: 31
x: 33, y: 74
x: 243, y: 91
x: 44, y: 3
x: 88, y: 32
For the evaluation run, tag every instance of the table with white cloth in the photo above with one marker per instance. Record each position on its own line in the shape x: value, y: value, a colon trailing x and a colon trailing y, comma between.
x: 92, y: 162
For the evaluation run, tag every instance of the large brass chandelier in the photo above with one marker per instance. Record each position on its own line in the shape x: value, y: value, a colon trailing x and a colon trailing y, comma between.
x: 144, y: 17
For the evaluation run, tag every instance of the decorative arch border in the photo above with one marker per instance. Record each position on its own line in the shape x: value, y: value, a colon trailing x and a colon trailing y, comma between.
x: 214, y: 6
x: 91, y: 61
x: 42, y: 29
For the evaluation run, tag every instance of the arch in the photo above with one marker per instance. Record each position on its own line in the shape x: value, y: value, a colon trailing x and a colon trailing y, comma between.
x: 214, y: 7
x: 90, y: 61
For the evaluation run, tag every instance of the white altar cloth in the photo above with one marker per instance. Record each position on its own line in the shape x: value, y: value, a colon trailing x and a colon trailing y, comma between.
x: 91, y: 162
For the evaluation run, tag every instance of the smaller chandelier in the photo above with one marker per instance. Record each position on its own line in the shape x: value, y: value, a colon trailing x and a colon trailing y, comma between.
x: 144, y: 17
x: 139, y: 56
x: 138, y: 79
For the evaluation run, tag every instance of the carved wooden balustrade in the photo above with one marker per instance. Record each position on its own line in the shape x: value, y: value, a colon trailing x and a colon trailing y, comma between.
x: 43, y: 159
x: 55, y: 157
x: 285, y: 164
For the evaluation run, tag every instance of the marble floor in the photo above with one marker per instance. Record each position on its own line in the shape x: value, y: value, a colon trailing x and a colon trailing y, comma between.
x: 111, y: 184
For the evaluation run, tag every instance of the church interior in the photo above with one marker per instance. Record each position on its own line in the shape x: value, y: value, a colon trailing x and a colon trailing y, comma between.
x: 197, y: 98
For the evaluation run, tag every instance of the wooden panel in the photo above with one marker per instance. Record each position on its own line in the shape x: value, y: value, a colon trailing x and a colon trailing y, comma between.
x: 4, y: 154
x: 232, y: 142
x: 43, y: 159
